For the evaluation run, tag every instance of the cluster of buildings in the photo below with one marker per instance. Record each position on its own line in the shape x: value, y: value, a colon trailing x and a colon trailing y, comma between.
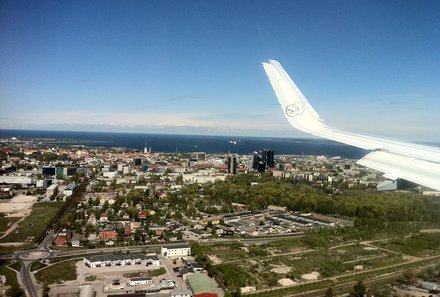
x: 420, y: 289
x: 197, y: 167
x: 122, y: 204
x: 108, y: 214
x: 273, y: 221
x: 190, y: 280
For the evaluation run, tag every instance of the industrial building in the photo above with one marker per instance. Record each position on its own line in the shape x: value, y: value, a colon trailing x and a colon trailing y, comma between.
x: 121, y: 260
x: 268, y: 158
x: 68, y: 191
x: 177, y: 250
x: 232, y: 164
x: 144, y: 280
x: 17, y: 179
x: 201, y: 285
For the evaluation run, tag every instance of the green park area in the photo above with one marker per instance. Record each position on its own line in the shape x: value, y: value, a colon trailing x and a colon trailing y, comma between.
x: 235, y: 265
x: 385, y: 236
x: 157, y: 272
x: 417, y: 245
x: 59, y: 272
x: 11, y: 276
x: 6, y: 222
x: 35, y: 224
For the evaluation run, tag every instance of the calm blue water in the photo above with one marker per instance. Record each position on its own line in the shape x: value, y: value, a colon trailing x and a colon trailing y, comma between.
x: 196, y: 143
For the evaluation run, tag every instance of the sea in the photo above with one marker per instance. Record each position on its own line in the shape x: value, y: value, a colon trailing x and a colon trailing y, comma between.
x: 190, y: 143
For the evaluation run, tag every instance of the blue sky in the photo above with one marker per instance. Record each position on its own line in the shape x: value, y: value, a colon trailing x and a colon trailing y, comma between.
x: 194, y: 67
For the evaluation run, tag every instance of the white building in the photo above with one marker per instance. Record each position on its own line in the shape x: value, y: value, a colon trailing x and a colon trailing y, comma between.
x: 68, y: 191
x: 52, y: 191
x: 136, y: 281
x: 75, y: 243
x: 176, y: 250
x: 204, y: 176
x: 112, y: 174
x: 42, y: 183
x: 16, y: 179
x: 121, y: 260
x: 126, y: 169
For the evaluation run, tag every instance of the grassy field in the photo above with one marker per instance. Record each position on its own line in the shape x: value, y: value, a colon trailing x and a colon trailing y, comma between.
x: 11, y: 276
x: 11, y: 249
x: 262, y: 266
x: 57, y: 273
x: 226, y: 252
x: 59, y: 259
x: 35, y: 223
x: 5, y: 222
x: 385, y: 270
x: 296, y: 289
x: 286, y: 245
x: 419, y: 245
x: 332, y: 253
x: 37, y: 266
x: 157, y: 272
x: 16, y: 266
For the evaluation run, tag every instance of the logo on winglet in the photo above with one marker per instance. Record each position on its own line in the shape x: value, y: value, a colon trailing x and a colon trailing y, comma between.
x: 295, y: 109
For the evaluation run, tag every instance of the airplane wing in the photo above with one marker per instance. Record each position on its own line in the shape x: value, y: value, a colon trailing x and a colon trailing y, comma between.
x: 416, y: 163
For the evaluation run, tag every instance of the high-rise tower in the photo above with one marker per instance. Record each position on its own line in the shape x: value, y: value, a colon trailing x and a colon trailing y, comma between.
x: 268, y: 158
x: 232, y: 164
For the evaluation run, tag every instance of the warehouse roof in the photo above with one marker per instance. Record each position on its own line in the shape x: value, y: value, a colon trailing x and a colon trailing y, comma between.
x: 119, y: 257
x: 200, y: 283
x: 177, y: 246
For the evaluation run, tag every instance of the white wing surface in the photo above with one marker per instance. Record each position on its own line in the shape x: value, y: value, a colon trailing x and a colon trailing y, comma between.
x: 416, y: 163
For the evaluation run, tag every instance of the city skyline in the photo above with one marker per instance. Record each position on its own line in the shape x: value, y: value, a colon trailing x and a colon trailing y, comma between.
x: 194, y: 67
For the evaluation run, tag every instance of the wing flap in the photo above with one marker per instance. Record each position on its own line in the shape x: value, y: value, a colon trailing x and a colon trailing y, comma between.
x: 398, y: 166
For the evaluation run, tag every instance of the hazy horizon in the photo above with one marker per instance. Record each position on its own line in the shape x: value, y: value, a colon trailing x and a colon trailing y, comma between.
x: 233, y: 137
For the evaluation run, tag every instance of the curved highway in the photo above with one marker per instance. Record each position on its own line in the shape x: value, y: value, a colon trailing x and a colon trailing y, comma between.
x: 26, y: 258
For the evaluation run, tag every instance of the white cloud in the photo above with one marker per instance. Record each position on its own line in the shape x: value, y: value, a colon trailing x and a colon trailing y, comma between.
x: 262, y: 123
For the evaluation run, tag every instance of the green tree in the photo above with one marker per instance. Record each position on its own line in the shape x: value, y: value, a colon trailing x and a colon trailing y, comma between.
x: 409, y: 276
x: 235, y: 293
x: 380, y: 291
x: 329, y: 292
x: 358, y: 290
x: 15, y: 291
x: 46, y: 290
x: 141, y: 180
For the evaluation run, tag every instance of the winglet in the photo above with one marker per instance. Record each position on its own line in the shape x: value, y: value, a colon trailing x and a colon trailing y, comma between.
x: 416, y: 163
x: 295, y: 106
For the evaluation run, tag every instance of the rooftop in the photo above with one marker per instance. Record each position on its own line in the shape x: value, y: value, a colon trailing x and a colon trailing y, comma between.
x: 200, y: 283
x: 104, y: 258
x: 177, y: 246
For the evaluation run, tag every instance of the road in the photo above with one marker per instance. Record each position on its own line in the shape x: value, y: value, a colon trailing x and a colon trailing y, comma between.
x: 27, y: 278
x: 43, y: 251
x: 26, y: 258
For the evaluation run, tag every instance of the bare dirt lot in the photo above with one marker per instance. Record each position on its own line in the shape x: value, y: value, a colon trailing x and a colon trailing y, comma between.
x: 18, y: 206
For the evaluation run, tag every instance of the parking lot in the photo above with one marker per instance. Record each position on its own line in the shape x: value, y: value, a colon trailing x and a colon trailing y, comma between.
x: 107, y: 280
